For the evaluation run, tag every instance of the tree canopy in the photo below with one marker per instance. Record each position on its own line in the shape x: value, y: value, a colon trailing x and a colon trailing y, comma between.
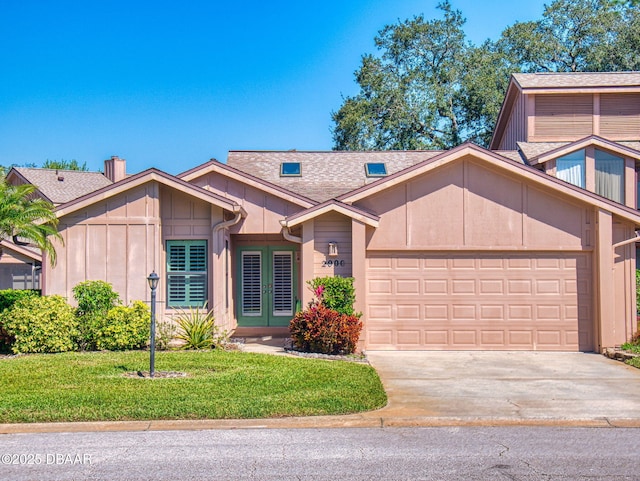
x: 431, y: 88
x: 65, y: 165
x: 26, y: 218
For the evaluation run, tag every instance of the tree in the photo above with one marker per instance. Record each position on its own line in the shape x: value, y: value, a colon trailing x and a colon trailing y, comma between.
x: 431, y: 88
x: 24, y: 217
x: 65, y: 165
x: 409, y: 95
x: 571, y: 36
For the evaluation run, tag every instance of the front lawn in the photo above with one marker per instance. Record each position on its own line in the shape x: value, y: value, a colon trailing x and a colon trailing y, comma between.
x: 220, y: 384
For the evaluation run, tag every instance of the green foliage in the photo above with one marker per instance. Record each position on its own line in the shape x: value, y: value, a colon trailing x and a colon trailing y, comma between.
x: 124, y: 328
x: 198, y: 329
x: 65, y: 165
x: 321, y: 329
x: 40, y: 324
x: 638, y: 291
x: 430, y: 88
x: 95, y: 296
x: 95, y: 299
x: 338, y: 293
x: 8, y: 297
x: 165, y: 333
x: 408, y: 95
x: 24, y: 217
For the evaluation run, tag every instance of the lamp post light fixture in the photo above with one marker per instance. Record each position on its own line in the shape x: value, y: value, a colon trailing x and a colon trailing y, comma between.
x: 153, y: 280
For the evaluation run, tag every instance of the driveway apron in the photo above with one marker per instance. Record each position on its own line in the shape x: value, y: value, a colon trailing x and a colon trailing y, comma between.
x: 516, y: 386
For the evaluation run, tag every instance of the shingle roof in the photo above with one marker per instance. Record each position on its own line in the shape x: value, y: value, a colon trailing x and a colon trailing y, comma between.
x: 535, y: 149
x: 60, y: 186
x: 325, y: 175
x: 577, y: 79
x: 511, y: 154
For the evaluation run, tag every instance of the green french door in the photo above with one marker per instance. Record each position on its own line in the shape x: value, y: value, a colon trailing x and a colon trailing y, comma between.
x: 267, y: 286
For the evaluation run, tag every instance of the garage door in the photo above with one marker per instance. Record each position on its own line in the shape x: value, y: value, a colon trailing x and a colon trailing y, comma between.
x: 498, y: 301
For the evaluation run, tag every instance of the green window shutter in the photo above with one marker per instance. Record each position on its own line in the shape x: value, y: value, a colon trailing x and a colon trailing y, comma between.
x: 186, y: 273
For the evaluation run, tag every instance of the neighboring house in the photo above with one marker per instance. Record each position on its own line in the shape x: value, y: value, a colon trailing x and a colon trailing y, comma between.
x: 527, y: 246
x: 19, y: 266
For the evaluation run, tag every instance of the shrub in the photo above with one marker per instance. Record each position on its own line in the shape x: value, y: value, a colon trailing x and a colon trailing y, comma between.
x: 95, y: 299
x: 321, y: 329
x: 638, y: 291
x: 198, y: 329
x: 338, y: 293
x: 9, y: 297
x: 124, y: 328
x: 165, y: 333
x: 41, y: 324
x: 95, y: 296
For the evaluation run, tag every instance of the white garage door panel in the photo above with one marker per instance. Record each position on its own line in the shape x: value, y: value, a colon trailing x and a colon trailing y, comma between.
x: 489, y: 301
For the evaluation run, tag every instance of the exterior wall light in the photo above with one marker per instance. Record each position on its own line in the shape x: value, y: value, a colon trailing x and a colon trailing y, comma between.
x: 333, y: 249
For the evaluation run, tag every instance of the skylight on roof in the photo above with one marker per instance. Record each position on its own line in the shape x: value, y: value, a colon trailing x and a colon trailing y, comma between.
x: 376, y: 169
x: 290, y: 169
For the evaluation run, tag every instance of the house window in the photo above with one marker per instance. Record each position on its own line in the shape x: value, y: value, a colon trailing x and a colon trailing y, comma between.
x: 290, y: 169
x: 609, y: 176
x: 376, y: 169
x: 186, y: 273
x: 570, y: 168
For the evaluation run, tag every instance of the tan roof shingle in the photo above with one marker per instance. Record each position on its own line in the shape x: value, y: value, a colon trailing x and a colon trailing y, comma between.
x: 61, y: 186
x: 577, y: 79
x: 325, y: 175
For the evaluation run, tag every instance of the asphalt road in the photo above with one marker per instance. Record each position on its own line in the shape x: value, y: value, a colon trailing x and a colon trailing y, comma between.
x: 509, y: 453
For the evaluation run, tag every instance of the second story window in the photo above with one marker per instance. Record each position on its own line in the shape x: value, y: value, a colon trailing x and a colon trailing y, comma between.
x: 609, y: 176
x: 570, y: 168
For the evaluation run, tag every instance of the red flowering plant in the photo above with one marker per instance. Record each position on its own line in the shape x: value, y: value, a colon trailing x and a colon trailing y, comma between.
x: 323, y: 330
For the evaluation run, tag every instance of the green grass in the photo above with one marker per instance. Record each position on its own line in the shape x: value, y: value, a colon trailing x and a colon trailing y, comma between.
x: 633, y: 346
x: 92, y: 387
x: 635, y: 362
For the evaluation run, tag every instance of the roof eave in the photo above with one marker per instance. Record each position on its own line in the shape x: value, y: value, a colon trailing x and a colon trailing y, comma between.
x: 331, y: 206
x: 150, y: 175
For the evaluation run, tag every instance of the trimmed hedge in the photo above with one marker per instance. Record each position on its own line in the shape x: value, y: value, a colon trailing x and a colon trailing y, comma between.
x: 124, y: 328
x: 41, y: 324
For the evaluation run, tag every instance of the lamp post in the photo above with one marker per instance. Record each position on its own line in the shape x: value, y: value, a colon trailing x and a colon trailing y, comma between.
x: 153, y: 280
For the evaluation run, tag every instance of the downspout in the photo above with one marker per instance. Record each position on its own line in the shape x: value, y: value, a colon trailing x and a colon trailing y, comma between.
x: 227, y: 223
x: 628, y: 241
x: 240, y: 213
x: 286, y: 233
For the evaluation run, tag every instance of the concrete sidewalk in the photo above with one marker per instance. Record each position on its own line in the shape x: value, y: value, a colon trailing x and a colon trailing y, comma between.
x: 451, y: 389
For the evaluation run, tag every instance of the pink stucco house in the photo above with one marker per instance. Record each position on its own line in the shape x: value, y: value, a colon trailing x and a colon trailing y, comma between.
x: 528, y: 245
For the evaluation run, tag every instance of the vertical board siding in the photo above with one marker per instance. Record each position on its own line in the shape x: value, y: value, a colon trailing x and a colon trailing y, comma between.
x: 465, y: 205
x: 114, y: 240
x: 332, y: 228
x: 563, y: 117
x: 516, y: 129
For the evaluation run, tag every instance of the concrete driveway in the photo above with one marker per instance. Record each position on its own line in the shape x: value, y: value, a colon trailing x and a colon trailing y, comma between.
x: 507, y: 387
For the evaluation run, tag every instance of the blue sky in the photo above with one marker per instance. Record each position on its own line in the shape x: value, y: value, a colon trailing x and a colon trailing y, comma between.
x: 171, y: 84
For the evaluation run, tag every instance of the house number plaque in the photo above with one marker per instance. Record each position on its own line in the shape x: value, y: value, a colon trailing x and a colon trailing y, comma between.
x: 333, y: 263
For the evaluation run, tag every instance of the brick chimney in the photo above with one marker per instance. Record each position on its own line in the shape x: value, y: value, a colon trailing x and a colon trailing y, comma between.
x: 115, y: 168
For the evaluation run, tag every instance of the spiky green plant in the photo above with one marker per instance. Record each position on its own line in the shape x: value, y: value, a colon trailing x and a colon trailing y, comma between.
x: 27, y: 217
x: 198, y: 330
